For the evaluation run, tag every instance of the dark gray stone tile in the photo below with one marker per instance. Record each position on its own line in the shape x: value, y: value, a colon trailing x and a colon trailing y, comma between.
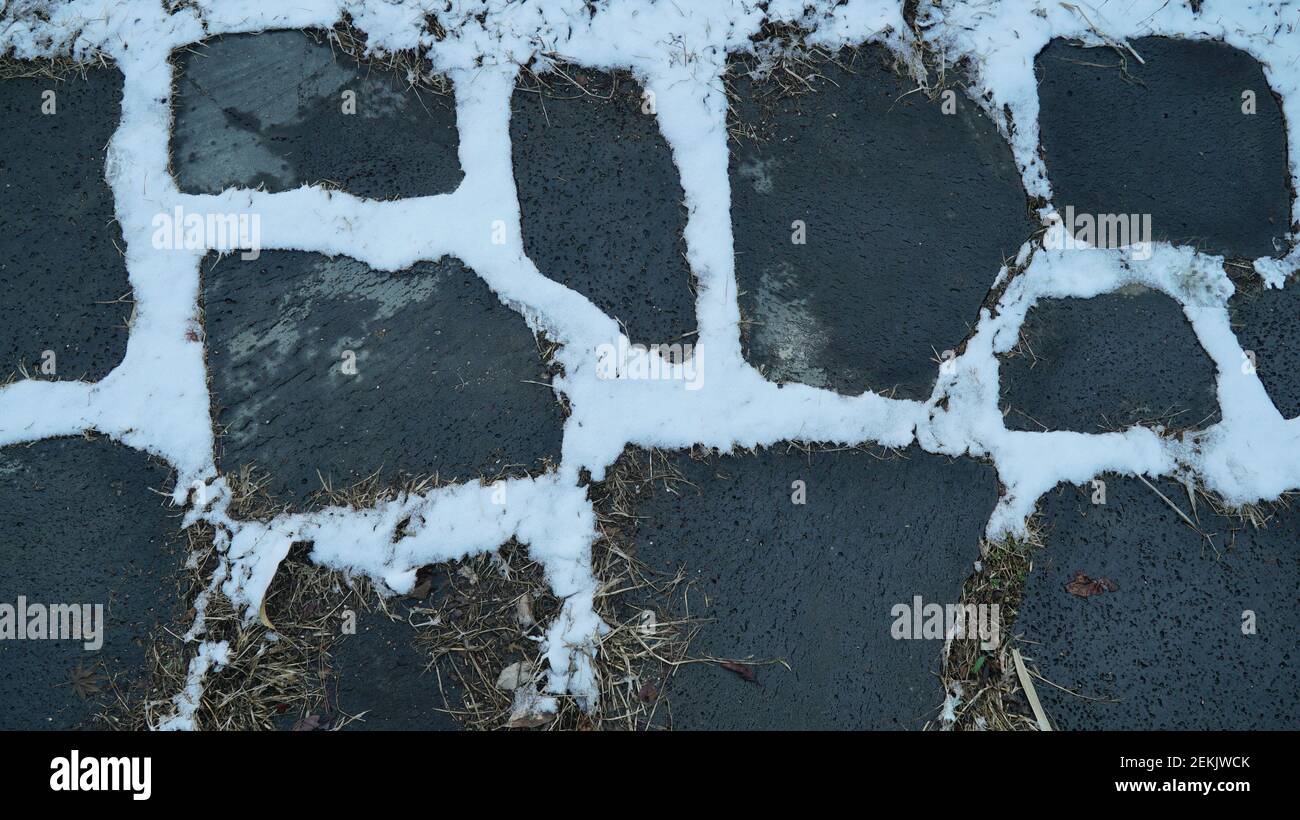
x: 1106, y: 363
x: 268, y: 109
x: 381, y: 672
x: 1166, y: 650
x: 443, y: 376
x: 1265, y: 324
x: 909, y: 213
x: 814, y: 584
x: 80, y: 523
x: 61, y: 272
x: 1169, y: 139
x: 601, y: 202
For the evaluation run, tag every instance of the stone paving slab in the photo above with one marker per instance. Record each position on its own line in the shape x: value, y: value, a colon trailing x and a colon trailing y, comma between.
x: 81, y: 522
x: 907, y: 215
x: 1106, y: 363
x: 601, y: 203
x: 272, y: 109
x: 381, y: 675
x: 1168, y: 138
x: 327, y: 365
x: 1167, y: 649
x: 1265, y: 324
x: 60, y: 258
x: 814, y: 584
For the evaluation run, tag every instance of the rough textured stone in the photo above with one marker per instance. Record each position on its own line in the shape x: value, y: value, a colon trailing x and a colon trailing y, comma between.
x: 445, y: 375
x: 80, y: 523
x: 814, y: 584
x: 601, y: 203
x: 268, y: 109
x: 909, y: 213
x: 65, y: 282
x: 1265, y: 323
x: 1106, y: 363
x: 1166, y: 650
x: 1168, y: 138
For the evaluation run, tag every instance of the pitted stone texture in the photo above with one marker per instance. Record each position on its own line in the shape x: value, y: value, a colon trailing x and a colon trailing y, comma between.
x: 1170, y: 139
x: 383, y: 676
x: 446, y: 377
x: 1166, y: 650
x: 82, y: 522
x: 1105, y: 363
x: 814, y: 584
x: 269, y: 109
x: 909, y: 213
x: 65, y: 282
x: 1267, y: 323
x: 601, y: 202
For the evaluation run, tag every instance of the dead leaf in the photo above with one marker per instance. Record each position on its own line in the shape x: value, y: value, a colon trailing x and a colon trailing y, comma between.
x: 468, y: 573
x: 744, y: 670
x: 515, y: 675
x: 86, y: 681
x: 422, y: 589
x: 1086, y: 587
x: 524, y: 610
x: 648, y: 692
x: 530, y: 709
x: 261, y: 613
x: 307, y: 723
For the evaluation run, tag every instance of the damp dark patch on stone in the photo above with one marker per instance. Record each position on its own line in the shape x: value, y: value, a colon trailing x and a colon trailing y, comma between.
x: 1106, y: 363
x: 382, y: 675
x: 601, y: 203
x: 271, y: 109
x: 65, y: 281
x: 1168, y: 138
x: 327, y: 365
x: 1265, y: 324
x: 814, y: 584
x: 907, y: 215
x: 1166, y: 649
x: 81, y: 523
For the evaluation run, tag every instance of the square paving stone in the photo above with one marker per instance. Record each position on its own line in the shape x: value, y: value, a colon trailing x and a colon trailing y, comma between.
x: 814, y: 584
x: 869, y: 225
x: 601, y: 202
x: 1168, y: 138
x: 327, y: 365
x: 65, y: 282
x: 1106, y: 363
x: 1167, y: 649
x: 82, y: 522
x: 272, y: 109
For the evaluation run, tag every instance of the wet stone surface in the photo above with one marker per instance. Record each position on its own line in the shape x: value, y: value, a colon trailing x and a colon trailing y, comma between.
x: 327, y: 365
x: 61, y: 272
x: 272, y: 109
x: 80, y: 524
x: 1166, y: 650
x: 814, y: 584
x: 1170, y: 139
x: 1105, y: 363
x: 601, y: 201
x: 1265, y: 324
x: 908, y: 214
x: 381, y: 672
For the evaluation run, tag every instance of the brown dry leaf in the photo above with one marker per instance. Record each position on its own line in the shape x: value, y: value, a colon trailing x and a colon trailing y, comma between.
x: 1085, y: 587
x: 524, y: 610
x: 307, y: 723
x: 85, y: 681
x: 744, y: 670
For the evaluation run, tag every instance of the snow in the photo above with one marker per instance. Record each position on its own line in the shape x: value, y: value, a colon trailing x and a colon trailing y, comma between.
x: 157, y: 399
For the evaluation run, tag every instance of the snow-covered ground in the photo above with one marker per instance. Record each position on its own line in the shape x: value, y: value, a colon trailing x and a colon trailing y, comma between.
x: 157, y: 399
